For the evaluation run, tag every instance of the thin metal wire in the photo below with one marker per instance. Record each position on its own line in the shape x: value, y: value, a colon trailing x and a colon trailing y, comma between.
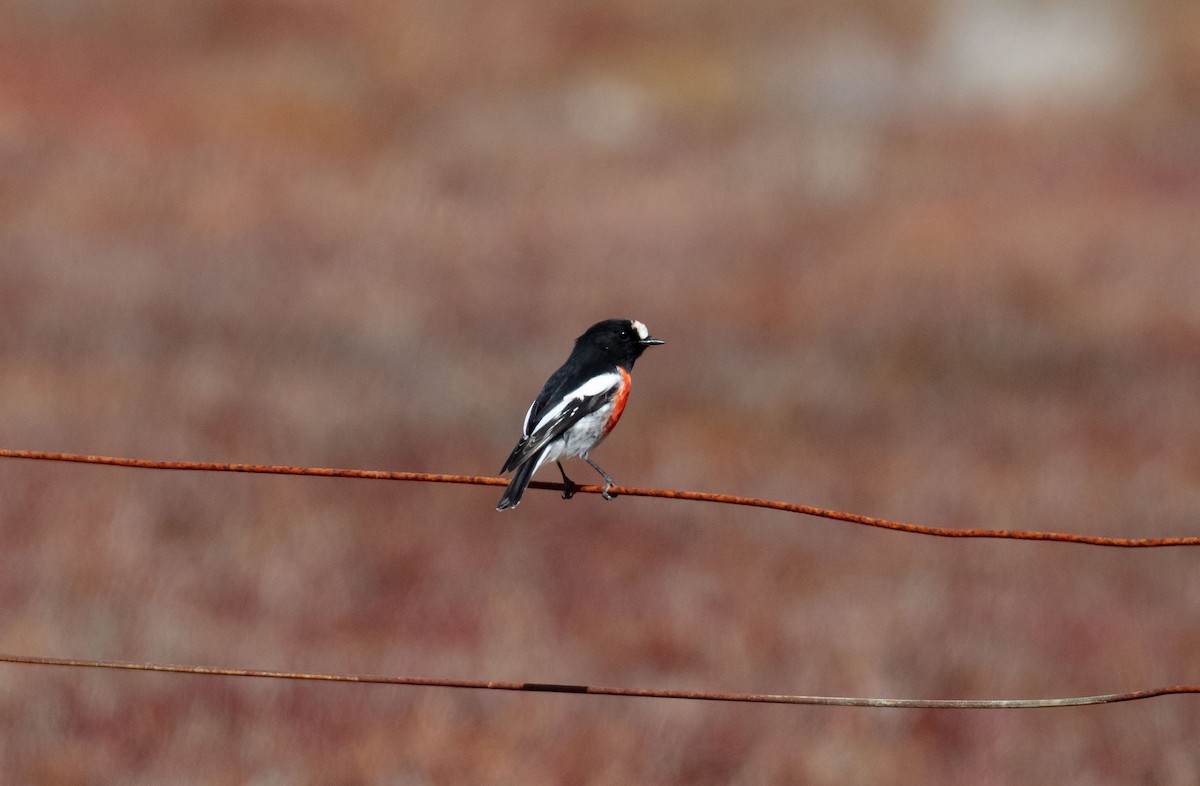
x: 630, y: 491
x: 596, y: 690
x: 760, y: 698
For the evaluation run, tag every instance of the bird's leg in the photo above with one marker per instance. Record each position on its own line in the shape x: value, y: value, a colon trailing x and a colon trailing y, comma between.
x: 608, y: 482
x: 569, y: 491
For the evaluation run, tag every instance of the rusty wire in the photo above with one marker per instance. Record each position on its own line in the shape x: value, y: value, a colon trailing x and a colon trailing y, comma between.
x: 540, y: 687
x: 639, y: 693
x: 698, y: 496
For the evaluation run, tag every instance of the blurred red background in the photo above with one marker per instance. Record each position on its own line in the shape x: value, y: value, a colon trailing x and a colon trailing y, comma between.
x: 929, y: 261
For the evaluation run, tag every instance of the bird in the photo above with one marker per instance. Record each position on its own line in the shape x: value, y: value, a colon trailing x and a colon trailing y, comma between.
x: 578, y: 406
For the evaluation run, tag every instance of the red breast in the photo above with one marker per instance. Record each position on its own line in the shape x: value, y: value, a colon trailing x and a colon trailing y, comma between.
x: 622, y: 395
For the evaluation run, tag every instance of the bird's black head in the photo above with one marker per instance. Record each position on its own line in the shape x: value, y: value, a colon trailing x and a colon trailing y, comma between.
x: 620, y: 341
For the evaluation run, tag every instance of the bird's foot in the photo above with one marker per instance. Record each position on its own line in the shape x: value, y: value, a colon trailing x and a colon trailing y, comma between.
x: 607, y: 493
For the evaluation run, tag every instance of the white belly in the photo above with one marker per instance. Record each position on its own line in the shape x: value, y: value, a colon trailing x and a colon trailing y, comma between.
x: 581, y: 437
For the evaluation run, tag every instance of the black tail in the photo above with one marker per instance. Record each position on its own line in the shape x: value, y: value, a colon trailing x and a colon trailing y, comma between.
x: 520, y: 482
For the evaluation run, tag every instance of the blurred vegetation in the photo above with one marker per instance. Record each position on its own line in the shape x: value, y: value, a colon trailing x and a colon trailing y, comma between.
x: 929, y: 261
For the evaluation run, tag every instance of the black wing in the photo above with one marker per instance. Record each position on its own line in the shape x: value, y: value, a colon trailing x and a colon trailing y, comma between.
x: 575, y: 410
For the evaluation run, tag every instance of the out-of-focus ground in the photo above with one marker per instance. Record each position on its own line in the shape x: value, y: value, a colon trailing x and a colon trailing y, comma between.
x: 935, y: 261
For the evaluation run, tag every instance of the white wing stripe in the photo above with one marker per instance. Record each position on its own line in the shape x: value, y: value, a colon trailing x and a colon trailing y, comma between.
x: 597, y: 384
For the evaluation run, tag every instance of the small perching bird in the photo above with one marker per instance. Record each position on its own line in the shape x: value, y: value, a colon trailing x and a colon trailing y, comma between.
x: 578, y: 405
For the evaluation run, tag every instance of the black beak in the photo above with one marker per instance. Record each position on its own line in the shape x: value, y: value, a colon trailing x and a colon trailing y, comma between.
x: 649, y: 342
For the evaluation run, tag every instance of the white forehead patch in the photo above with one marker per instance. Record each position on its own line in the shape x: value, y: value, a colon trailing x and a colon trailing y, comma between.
x: 643, y: 334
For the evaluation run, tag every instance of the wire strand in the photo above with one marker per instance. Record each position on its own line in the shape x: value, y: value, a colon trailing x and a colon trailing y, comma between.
x: 630, y: 491
x: 596, y: 690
